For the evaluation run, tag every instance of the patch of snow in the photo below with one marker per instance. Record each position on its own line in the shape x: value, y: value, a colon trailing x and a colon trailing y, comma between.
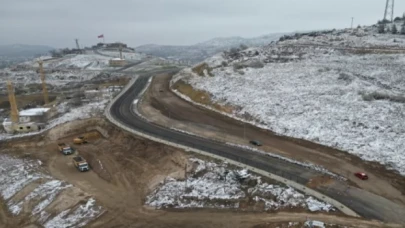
x: 82, y: 112
x: 75, y: 218
x: 15, y: 175
x: 101, y: 164
x: 314, y: 223
x: 15, y: 209
x: 87, y: 61
x: 316, y: 205
x: 216, y: 186
x: 47, y: 192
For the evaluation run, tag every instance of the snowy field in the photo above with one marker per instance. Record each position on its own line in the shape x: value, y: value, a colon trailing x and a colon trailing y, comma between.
x: 56, y: 78
x: 350, y: 102
x: 28, y: 191
x: 73, y: 61
x: 211, y: 185
x: 85, y: 62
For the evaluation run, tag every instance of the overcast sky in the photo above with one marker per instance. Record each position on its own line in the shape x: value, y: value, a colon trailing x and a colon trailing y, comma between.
x: 181, y: 22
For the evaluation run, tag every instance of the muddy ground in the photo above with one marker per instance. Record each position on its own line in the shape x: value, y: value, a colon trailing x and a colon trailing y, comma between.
x: 162, y: 106
x: 124, y: 170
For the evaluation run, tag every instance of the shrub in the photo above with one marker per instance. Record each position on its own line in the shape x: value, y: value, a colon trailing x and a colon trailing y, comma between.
x: 382, y: 96
x: 381, y: 28
x: 243, y: 47
x: 345, y: 77
x: 398, y: 19
x: 251, y: 64
x: 394, y: 29
x: 403, y: 29
x: 234, y: 50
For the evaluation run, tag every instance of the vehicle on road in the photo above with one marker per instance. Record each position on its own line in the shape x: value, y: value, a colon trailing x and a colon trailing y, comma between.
x: 255, y: 142
x: 81, y: 164
x: 80, y: 140
x: 65, y: 149
x: 361, y: 175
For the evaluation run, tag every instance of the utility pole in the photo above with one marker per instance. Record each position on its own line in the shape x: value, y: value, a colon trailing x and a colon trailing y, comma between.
x: 120, y: 51
x: 389, y: 11
x: 13, y: 103
x: 77, y: 44
x: 352, y: 22
x: 44, y: 89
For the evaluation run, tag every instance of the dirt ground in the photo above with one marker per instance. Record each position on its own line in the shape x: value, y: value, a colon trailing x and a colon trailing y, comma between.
x: 164, y: 107
x: 124, y: 170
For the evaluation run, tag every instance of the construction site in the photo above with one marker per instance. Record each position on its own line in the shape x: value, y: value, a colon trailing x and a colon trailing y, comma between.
x: 68, y: 160
x: 306, y: 131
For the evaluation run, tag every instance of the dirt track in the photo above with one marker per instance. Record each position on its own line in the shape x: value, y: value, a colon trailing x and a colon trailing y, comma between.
x: 124, y: 169
x: 180, y: 114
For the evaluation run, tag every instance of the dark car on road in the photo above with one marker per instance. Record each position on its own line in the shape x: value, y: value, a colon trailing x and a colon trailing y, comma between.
x: 255, y: 142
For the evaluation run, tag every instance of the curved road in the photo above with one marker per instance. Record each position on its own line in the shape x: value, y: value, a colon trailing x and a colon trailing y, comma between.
x: 366, y: 204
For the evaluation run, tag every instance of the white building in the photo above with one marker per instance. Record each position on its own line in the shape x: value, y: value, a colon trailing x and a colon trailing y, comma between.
x: 29, y: 120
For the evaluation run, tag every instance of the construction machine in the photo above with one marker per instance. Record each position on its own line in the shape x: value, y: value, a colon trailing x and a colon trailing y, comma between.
x: 65, y: 149
x: 80, y: 140
x: 81, y: 164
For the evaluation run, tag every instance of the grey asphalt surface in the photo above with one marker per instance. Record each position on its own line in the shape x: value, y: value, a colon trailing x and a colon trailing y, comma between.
x: 366, y: 204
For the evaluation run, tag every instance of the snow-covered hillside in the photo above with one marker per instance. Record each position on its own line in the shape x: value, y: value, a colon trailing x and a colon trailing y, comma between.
x: 344, y: 89
x: 58, y: 72
x: 198, y: 52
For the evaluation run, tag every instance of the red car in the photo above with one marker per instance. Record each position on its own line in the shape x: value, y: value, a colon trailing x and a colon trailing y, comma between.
x: 361, y: 175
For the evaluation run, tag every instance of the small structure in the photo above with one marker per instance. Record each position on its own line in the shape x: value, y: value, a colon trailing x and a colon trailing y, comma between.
x: 117, y: 62
x: 116, y: 45
x: 103, y: 93
x: 29, y: 120
x: 39, y: 115
x: 26, y: 120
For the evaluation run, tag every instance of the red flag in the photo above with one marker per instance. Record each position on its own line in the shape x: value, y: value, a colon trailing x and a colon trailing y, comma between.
x: 100, y: 36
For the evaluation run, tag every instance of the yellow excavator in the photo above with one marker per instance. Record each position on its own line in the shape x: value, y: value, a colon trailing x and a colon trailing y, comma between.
x: 80, y: 140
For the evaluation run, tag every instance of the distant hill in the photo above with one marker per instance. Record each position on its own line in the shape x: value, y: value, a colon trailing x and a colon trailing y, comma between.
x: 23, y: 50
x: 198, y: 52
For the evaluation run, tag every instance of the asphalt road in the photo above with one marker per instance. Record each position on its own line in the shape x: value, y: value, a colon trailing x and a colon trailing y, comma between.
x: 366, y: 204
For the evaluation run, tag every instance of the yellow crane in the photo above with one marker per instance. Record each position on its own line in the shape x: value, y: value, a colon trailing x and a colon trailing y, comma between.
x: 44, y: 89
x: 14, y: 115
